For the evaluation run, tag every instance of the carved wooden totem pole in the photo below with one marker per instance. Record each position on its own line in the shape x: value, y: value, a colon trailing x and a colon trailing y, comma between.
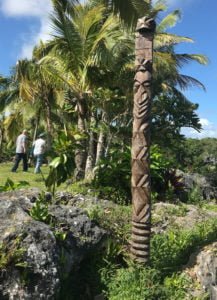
x: 140, y: 181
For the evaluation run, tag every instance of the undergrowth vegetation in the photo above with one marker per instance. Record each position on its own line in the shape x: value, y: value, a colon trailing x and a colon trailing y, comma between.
x: 111, y: 272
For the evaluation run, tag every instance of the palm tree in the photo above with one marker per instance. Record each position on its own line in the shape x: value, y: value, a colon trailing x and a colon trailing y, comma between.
x: 84, y: 44
x: 167, y: 63
x: 38, y: 88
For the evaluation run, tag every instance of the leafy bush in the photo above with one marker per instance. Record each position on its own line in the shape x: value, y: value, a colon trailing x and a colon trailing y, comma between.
x: 195, y: 196
x: 62, y: 166
x: 112, y: 176
x: 165, y: 183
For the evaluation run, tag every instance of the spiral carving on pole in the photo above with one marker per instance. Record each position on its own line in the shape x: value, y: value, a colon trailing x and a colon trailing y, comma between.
x: 140, y: 181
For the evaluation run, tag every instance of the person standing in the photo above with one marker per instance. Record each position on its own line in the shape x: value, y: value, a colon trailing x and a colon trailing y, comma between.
x: 21, y: 151
x: 39, y: 147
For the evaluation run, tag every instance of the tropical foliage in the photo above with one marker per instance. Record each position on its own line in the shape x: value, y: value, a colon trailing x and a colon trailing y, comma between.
x: 81, y: 80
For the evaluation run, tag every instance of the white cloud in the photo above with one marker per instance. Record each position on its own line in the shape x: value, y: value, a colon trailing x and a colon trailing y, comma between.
x: 209, y: 130
x: 36, y: 8
x: 205, y: 122
x: 29, y: 8
x: 32, y: 40
x: 177, y: 3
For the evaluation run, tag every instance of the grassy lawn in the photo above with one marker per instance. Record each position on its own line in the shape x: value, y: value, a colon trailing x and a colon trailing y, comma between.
x: 34, y: 180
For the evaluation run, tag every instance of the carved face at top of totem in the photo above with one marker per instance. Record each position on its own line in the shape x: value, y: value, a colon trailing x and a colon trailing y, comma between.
x: 146, y: 24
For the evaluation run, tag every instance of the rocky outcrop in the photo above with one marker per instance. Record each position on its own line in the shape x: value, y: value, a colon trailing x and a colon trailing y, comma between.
x: 167, y: 215
x: 202, y: 266
x: 206, y: 269
x: 35, y: 255
x: 205, y: 185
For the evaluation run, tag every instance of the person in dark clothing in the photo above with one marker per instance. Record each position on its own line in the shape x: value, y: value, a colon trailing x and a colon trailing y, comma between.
x: 21, y: 151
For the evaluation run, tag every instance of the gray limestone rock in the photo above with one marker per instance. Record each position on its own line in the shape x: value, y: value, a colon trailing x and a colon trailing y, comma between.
x: 34, y: 256
x: 206, y: 269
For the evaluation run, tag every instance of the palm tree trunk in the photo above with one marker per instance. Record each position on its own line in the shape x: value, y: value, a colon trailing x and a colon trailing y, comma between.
x: 101, y: 143
x: 101, y: 146
x: 91, y: 157
x: 1, y: 140
x: 49, y: 124
x: 140, y: 182
x: 37, y: 121
x: 81, y: 152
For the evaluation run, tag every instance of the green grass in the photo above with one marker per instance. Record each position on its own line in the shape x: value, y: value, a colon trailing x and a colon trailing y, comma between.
x: 210, y: 206
x: 34, y: 180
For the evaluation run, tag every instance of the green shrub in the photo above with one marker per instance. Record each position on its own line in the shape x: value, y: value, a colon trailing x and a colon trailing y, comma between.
x: 112, y: 176
x: 171, y: 250
x: 113, y: 173
x: 195, y: 196
x: 62, y: 166
x: 139, y: 283
x: 135, y: 283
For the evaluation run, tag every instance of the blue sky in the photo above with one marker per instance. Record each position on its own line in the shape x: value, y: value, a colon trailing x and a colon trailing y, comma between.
x: 24, y: 22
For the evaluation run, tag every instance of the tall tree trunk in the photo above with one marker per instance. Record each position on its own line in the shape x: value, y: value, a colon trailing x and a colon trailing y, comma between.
x: 2, y: 130
x: 91, y: 157
x: 48, y: 123
x: 81, y: 152
x: 101, y: 146
x: 140, y: 182
x: 101, y: 143
x: 37, y: 121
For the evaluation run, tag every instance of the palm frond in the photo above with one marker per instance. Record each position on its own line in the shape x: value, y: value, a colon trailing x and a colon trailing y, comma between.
x: 129, y: 10
x: 184, y: 82
x: 186, y: 58
x: 165, y: 39
x: 169, y: 21
x: 7, y: 97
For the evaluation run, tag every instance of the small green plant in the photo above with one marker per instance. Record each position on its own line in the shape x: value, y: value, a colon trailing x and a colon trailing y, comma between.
x: 11, y: 253
x: 94, y: 212
x: 60, y: 235
x: 10, y: 185
x: 39, y: 211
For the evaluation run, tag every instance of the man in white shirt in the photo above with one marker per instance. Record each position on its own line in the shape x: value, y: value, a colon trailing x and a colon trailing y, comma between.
x: 21, y: 151
x: 38, y: 152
